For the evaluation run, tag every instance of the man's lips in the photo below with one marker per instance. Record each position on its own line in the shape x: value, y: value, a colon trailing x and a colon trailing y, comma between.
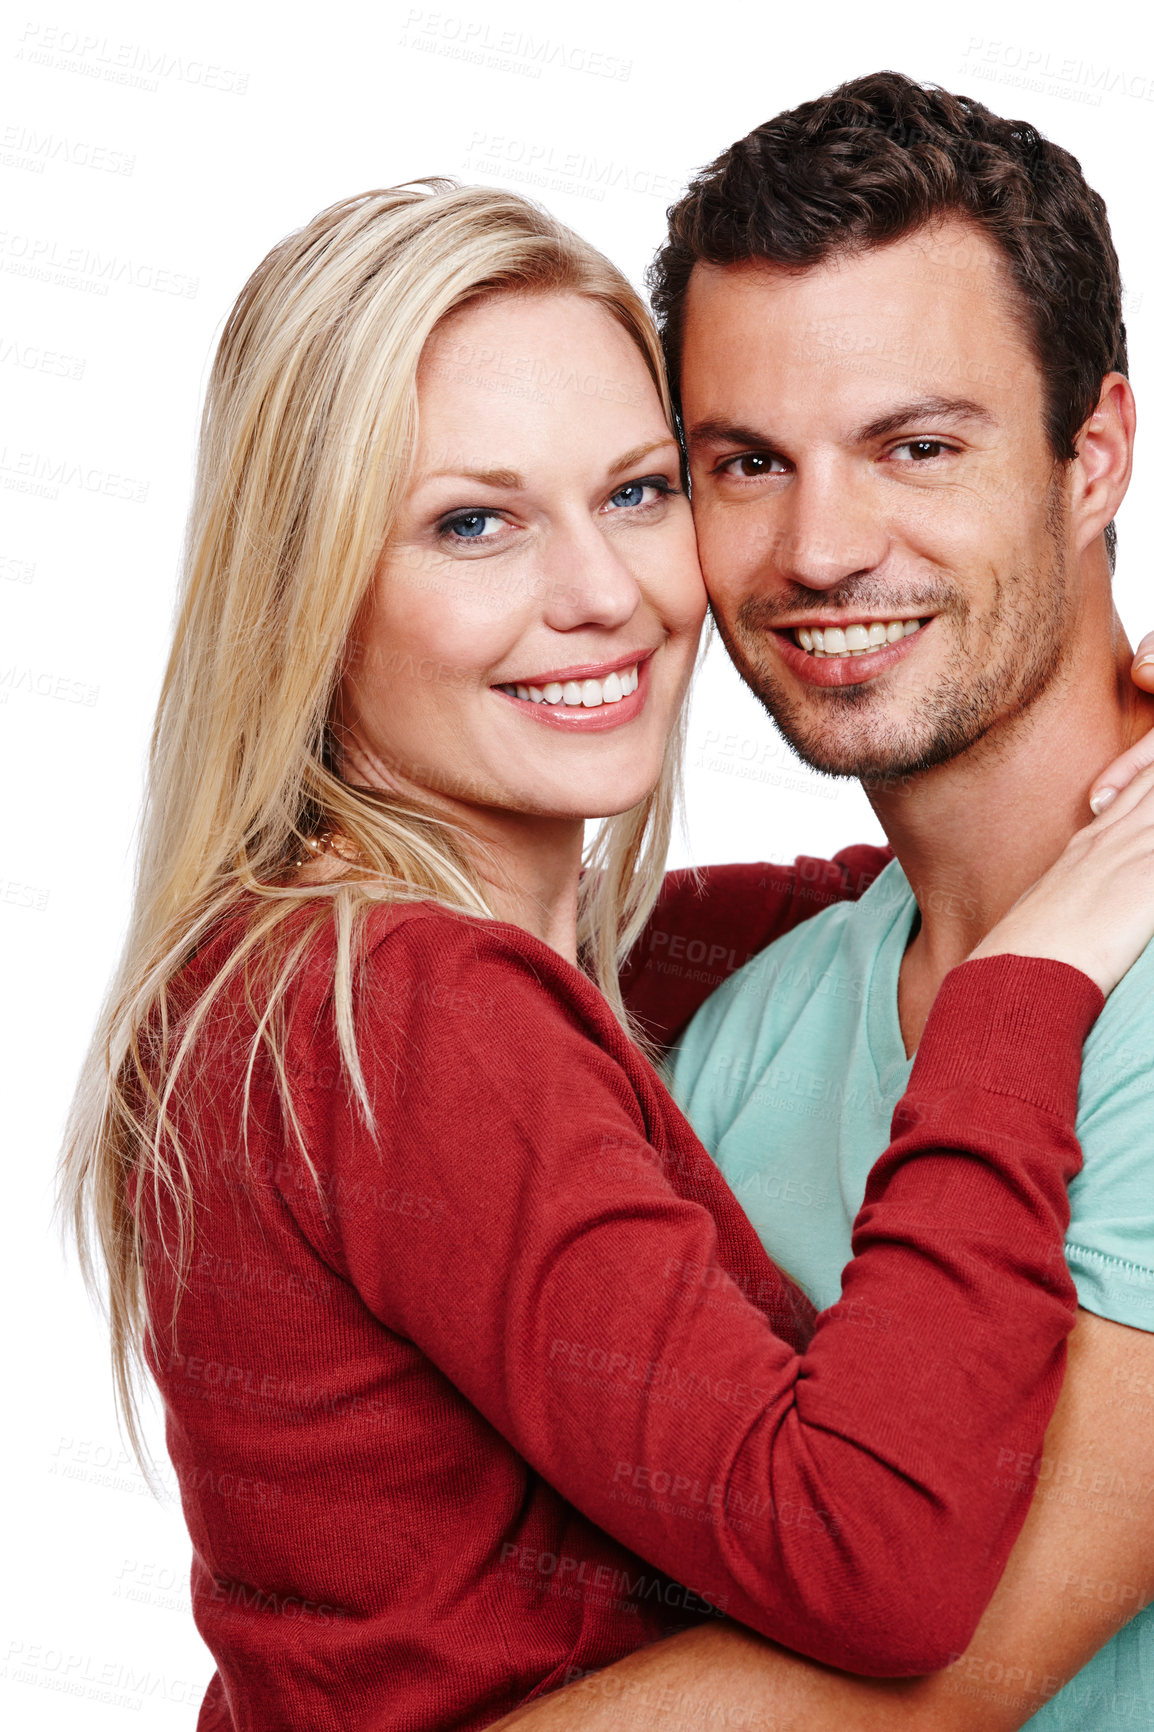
x: 842, y: 670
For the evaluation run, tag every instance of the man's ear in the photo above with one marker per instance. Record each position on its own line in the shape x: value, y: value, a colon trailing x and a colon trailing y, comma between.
x: 1101, y: 470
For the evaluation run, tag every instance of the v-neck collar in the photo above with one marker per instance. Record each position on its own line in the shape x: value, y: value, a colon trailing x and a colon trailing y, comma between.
x: 896, y: 913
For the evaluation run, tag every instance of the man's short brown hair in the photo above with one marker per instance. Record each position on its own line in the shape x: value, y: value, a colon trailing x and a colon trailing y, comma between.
x: 875, y: 160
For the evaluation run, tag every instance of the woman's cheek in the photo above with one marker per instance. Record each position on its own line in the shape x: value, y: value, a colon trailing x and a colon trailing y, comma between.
x: 684, y: 602
x: 684, y: 586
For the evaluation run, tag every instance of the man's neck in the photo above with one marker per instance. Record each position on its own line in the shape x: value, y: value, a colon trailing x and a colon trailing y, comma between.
x: 976, y: 832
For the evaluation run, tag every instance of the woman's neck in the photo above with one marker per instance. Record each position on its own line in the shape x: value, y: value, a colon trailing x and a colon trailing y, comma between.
x: 531, y: 868
x: 529, y: 863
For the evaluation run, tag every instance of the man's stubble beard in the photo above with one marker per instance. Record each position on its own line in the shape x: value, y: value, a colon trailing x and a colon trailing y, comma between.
x: 1004, y: 662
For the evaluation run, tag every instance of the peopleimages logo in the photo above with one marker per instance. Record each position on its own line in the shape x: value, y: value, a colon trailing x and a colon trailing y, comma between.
x: 47, y: 259
x: 135, y: 65
x: 26, y: 147
x: 1027, y: 66
x: 604, y: 1584
x: 42, y: 475
x: 536, y: 162
x: 31, y: 358
x: 480, y: 43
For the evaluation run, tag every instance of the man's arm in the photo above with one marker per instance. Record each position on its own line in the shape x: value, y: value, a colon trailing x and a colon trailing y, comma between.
x: 1082, y: 1566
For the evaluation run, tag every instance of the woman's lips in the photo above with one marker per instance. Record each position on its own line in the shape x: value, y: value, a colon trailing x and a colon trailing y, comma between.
x: 581, y: 717
x: 844, y: 670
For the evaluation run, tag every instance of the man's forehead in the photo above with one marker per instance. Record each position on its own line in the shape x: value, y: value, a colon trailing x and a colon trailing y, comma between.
x: 952, y: 241
x: 947, y: 261
x: 931, y: 314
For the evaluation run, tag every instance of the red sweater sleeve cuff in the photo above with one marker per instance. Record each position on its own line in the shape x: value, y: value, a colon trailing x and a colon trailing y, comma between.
x: 1013, y: 1025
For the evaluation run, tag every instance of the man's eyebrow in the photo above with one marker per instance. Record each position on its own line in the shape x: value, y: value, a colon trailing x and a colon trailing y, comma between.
x: 725, y: 433
x: 922, y: 409
x: 717, y: 432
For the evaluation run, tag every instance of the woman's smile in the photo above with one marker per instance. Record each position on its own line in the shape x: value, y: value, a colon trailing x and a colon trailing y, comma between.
x: 544, y: 554
x: 583, y: 697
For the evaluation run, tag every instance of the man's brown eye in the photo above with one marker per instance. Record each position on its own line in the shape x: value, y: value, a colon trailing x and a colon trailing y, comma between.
x: 754, y: 465
x: 920, y: 449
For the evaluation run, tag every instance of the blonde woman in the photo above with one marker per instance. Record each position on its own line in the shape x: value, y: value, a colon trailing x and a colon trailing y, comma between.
x: 473, y: 1370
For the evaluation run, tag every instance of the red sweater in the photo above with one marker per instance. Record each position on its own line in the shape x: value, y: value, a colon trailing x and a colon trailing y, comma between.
x: 430, y: 1413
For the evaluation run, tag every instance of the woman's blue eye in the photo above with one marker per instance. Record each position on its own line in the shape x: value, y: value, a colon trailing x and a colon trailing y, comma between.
x: 470, y: 526
x: 632, y: 494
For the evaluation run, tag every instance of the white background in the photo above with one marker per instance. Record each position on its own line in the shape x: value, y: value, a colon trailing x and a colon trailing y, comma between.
x: 149, y: 157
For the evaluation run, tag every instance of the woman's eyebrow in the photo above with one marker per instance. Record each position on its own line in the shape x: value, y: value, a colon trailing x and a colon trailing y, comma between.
x: 640, y: 451
x: 510, y: 477
x: 488, y: 477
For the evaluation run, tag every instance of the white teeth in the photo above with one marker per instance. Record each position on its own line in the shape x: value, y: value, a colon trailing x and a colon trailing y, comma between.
x: 853, y: 640
x: 579, y: 694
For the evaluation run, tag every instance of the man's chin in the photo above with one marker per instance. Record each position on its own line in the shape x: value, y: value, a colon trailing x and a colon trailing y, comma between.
x: 865, y: 765
x: 873, y: 748
x: 869, y: 729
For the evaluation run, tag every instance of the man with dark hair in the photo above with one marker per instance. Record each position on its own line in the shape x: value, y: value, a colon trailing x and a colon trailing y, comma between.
x: 881, y: 158
x: 894, y: 334
x: 893, y: 322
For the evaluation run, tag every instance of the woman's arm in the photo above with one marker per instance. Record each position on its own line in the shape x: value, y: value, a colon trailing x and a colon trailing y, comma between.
x: 1082, y: 1566
x: 707, y: 922
x: 572, y: 1285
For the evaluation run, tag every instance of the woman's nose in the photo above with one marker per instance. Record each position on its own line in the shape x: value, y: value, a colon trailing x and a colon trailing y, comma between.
x: 586, y: 580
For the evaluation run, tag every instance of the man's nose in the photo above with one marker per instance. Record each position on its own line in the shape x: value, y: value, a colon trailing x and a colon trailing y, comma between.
x: 830, y: 528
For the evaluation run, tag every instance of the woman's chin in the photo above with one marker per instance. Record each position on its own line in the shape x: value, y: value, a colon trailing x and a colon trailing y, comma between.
x: 610, y: 799
x: 585, y: 804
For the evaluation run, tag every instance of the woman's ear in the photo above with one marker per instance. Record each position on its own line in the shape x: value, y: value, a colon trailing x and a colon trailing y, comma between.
x: 1105, y: 451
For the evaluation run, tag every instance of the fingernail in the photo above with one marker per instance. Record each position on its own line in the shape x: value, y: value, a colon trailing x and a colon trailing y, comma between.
x: 1102, y: 798
x: 1146, y: 662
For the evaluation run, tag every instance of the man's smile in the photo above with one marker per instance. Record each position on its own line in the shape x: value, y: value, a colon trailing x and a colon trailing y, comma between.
x: 858, y: 639
x: 848, y: 655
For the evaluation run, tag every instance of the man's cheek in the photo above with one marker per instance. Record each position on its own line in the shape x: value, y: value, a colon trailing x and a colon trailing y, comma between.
x: 736, y: 548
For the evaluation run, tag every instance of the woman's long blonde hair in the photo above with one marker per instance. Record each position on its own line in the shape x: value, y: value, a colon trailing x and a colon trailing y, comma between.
x: 306, y: 445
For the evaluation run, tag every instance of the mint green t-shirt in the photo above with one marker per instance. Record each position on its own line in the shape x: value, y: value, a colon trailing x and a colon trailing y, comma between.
x: 790, y: 1074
